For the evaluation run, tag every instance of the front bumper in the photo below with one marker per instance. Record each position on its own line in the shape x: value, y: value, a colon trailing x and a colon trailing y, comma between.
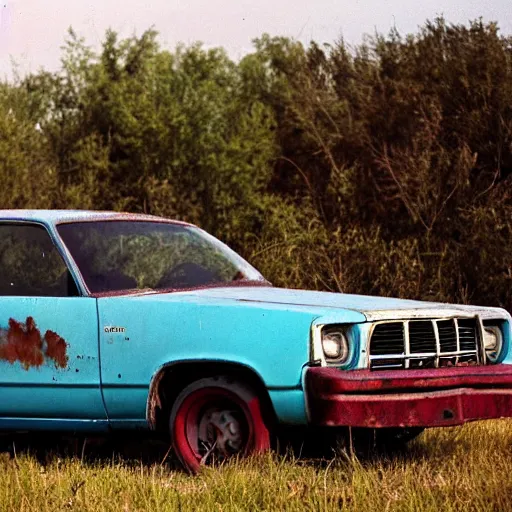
x: 408, y: 398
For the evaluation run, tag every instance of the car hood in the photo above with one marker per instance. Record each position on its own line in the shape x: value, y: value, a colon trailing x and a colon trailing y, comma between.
x: 373, y: 308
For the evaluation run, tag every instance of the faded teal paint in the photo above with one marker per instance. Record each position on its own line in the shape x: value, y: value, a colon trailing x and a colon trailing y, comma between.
x: 328, y: 304
x: 506, y: 329
x: 187, y: 326
x: 289, y: 406
x: 272, y: 338
x: 125, y: 402
x: 48, y: 391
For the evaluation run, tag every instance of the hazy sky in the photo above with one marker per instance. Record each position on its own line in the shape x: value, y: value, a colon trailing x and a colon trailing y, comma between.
x: 32, y: 31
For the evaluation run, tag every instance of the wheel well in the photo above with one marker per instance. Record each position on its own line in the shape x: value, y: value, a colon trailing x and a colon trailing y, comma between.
x: 172, y: 379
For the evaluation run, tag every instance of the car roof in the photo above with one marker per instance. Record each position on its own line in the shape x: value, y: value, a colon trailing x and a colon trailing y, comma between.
x: 64, y: 216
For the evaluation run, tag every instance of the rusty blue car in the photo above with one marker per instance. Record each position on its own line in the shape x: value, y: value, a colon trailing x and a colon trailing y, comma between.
x: 121, y: 321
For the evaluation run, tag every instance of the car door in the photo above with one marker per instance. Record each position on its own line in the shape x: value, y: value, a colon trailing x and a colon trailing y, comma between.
x: 49, y: 360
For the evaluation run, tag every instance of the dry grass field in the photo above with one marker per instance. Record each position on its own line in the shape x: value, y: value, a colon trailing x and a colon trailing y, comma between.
x: 464, y: 468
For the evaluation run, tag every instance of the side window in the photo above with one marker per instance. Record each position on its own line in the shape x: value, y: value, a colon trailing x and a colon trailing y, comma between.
x: 30, y: 265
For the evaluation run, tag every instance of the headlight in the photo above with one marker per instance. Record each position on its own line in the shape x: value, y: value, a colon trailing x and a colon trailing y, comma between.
x: 493, y: 342
x: 335, y: 346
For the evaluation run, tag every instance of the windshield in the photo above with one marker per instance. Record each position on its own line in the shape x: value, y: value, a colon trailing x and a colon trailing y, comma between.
x: 125, y: 255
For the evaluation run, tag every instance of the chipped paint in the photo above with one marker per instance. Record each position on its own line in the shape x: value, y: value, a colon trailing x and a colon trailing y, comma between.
x: 23, y: 342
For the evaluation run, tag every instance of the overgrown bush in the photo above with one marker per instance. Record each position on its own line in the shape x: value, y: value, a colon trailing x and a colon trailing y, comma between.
x: 381, y: 169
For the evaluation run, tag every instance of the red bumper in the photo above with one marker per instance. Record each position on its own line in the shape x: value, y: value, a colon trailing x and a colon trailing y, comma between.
x: 408, y: 398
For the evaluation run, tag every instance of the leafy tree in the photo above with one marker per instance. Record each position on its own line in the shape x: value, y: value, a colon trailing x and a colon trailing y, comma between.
x: 383, y: 168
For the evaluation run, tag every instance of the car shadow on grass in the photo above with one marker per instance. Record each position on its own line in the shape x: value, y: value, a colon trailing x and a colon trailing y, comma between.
x: 313, y: 449
x: 324, y: 446
x: 128, y: 447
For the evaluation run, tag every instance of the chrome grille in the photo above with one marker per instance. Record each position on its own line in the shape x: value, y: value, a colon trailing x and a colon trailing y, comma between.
x: 425, y: 343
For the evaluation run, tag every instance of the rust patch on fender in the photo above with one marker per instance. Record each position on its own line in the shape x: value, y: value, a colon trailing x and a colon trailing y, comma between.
x: 24, y: 343
x: 154, y: 400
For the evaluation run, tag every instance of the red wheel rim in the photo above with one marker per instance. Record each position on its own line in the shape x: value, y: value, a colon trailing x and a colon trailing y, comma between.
x: 220, y: 416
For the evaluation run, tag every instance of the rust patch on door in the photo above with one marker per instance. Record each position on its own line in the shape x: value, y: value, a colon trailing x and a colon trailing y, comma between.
x: 56, y: 348
x: 23, y: 342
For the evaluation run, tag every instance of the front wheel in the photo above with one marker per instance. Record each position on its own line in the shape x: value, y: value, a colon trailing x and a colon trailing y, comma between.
x: 215, y: 419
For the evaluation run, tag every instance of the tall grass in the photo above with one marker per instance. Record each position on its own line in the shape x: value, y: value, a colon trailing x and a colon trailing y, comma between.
x: 466, y: 468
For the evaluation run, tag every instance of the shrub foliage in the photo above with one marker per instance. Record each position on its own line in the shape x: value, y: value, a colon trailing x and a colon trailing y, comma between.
x: 380, y: 169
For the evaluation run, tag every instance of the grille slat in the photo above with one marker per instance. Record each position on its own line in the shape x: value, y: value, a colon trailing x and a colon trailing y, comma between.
x: 447, y: 335
x: 431, y: 343
x: 422, y: 337
x: 467, y: 334
x: 388, y: 340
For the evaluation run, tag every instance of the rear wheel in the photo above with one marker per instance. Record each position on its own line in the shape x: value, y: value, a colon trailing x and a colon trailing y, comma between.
x: 216, y: 419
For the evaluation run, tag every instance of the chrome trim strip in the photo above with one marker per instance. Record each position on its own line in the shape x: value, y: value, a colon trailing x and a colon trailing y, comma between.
x: 407, y: 343
x: 456, y: 321
x: 482, y: 358
x: 316, y: 351
x: 438, y: 343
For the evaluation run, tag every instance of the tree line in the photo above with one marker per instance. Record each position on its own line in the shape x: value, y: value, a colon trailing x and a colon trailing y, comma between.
x: 382, y: 168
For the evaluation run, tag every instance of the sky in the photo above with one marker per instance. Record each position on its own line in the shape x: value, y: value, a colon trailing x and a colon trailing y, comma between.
x: 32, y: 31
